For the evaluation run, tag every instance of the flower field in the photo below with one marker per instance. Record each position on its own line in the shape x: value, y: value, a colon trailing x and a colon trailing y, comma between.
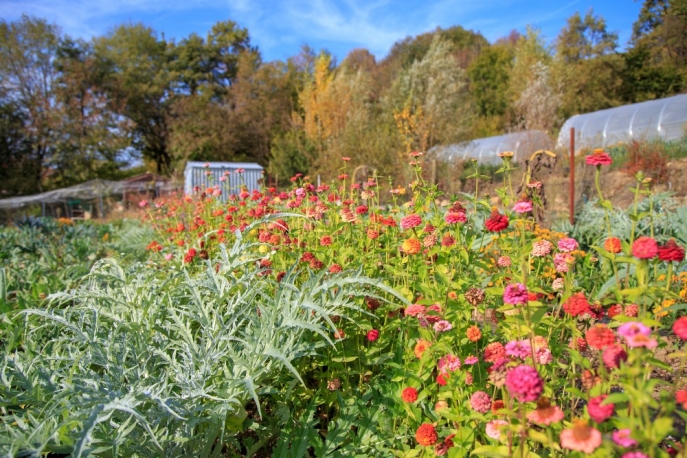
x: 323, y: 321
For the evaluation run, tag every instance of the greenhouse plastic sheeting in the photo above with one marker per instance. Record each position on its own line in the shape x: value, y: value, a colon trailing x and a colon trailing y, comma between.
x: 486, y: 150
x: 663, y: 118
x: 85, y: 191
x: 196, y: 174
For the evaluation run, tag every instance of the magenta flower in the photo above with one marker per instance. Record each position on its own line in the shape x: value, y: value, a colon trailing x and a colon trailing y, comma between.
x: 519, y: 348
x: 442, y: 326
x: 448, y: 363
x: 622, y: 438
x: 470, y: 360
x: 632, y: 328
x: 524, y: 206
x: 524, y: 383
x: 515, y: 294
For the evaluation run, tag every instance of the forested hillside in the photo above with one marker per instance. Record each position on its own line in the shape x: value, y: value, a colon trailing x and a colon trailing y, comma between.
x: 73, y: 110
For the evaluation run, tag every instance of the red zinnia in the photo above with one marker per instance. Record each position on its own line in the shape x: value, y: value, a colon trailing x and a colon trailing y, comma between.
x: 599, y: 336
x: 671, y: 251
x: 576, y: 305
x: 614, y: 355
x: 599, y: 157
x: 496, y: 222
x: 361, y: 209
x: 612, y: 245
x: 326, y: 240
x: 645, y: 248
x: 680, y: 327
x: 426, y: 435
x: 614, y: 310
x: 372, y: 335
x: 334, y: 269
x: 409, y: 395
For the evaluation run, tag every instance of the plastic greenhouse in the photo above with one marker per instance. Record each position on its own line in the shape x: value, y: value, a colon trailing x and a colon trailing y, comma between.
x: 205, y: 175
x: 663, y: 118
x: 486, y: 150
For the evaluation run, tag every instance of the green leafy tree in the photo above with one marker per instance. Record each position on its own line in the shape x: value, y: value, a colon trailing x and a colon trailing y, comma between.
x: 489, y: 76
x: 137, y: 85
x: 27, y: 51
x: 587, y: 66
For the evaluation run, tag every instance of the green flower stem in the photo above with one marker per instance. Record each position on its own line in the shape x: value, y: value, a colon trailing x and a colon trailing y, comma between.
x: 601, y: 198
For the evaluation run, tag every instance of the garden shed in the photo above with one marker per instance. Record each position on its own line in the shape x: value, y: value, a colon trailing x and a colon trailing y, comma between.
x: 486, y: 150
x: 231, y: 176
x: 664, y: 119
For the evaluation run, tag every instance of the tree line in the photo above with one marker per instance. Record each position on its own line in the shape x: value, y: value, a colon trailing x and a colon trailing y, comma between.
x: 72, y: 110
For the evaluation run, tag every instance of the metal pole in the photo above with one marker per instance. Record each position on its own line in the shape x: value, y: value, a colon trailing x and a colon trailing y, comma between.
x: 572, y: 175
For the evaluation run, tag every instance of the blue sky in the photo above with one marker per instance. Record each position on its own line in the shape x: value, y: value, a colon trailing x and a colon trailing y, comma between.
x: 280, y: 27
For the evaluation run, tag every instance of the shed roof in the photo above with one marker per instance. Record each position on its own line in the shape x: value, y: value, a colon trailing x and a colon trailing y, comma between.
x: 225, y: 165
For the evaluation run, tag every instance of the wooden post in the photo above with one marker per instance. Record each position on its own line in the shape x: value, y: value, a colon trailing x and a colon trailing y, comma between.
x: 572, y: 175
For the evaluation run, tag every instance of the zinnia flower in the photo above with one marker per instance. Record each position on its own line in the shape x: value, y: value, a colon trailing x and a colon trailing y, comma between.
x: 455, y: 217
x: 470, y: 360
x: 448, y: 240
x: 519, y: 348
x: 420, y: 347
x: 561, y: 261
x: 411, y: 246
x: 632, y: 328
x: 599, y: 157
x: 680, y: 327
x: 494, y: 352
x: 599, y: 336
x: 576, y: 305
x: 496, y: 222
x: 474, y: 334
x: 504, y: 261
x: 612, y: 245
x: 372, y: 335
x: 414, y: 310
x: 558, y: 284
x: 523, y: 206
x: 480, y: 402
x: 448, y: 363
x: 614, y: 355
x: 524, y: 383
x: 411, y: 221
x: 426, y: 435
x: 515, y: 294
x: 409, y: 395
x: 598, y: 412
x: 635, y: 455
x: 622, y: 438
x: 442, y: 326
x: 581, y: 437
x: 645, y: 248
x: 567, y: 244
x: 671, y: 252
x: 541, y: 248
x: 640, y: 340
x: 545, y: 414
x: 681, y: 398
x: 494, y: 427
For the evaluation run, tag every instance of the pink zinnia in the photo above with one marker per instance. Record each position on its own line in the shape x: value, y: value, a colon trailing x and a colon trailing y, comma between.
x: 455, y: 217
x: 599, y: 157
x: 480, y: 402
x: 541, y: 248
x: 632, y: 328
x: 545, y: 414
x: 645, y: 248
x: 411, y: 221
x: 558, y: 284
x: 598, y: 412
x: 567, y: 244
x: 622, y: 438
x: 504, y: 261
x: 372, y: 335
x: 442, y: 326
x: 560, y: 262
x: 523, y: 206
x: 581, y: 437
x: 640, y: 340
x: 543, y: 356
x: 519, y: 348
x: 635, y: 455
x: 524, y: 383
x: 494, y: 427
x: 470, y: 360
x: 448, y: 363
x: 414, y: 310
x: 515, y: 294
